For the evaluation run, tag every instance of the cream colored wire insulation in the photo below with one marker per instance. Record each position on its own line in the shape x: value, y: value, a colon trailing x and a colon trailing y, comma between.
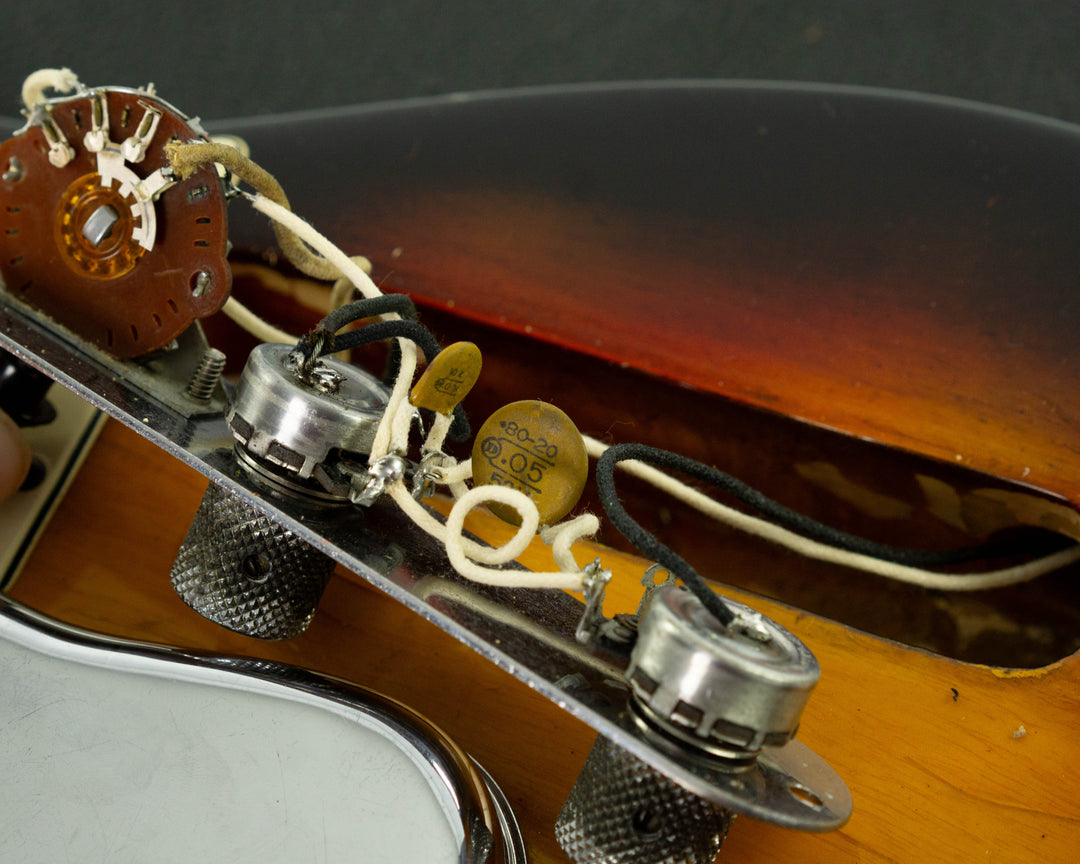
x: 436, y: 436
x: 36, y: 83
x: 562, y: 537
x: 458, y: 473
x: 392, y: 435
x: 253, y: 324
x: 823, y: 552
x: 454, y: 475
x: 343, y: 290
x: 469, y: 558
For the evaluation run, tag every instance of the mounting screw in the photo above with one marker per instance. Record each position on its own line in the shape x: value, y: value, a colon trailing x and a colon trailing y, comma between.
x: 206, y: 376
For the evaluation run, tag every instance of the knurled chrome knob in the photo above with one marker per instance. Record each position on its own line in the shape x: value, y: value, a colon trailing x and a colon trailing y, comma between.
x: 717, y: 701
x: 243, y: 570
x: 621, y: 811
x: 729, y: 689
x: 238, y: 567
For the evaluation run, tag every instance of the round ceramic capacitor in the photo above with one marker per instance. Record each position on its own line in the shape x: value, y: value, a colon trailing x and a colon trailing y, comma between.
x: 448, y: 378
x: 533, y: 447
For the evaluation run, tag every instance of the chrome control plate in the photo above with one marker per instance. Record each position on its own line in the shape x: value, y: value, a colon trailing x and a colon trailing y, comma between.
x: 528, y: 633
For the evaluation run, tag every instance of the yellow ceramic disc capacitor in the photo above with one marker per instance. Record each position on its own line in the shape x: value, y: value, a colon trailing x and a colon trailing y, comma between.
x: 535, y: 448
x: 448, y: 378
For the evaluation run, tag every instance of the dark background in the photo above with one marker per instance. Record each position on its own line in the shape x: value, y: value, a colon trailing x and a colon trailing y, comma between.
x: 221, y: 60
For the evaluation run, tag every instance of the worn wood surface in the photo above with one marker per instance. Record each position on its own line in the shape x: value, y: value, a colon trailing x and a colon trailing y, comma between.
x: 927, y: 745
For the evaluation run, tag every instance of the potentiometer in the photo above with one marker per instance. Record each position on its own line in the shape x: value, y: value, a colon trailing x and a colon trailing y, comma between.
x: 302, y: 435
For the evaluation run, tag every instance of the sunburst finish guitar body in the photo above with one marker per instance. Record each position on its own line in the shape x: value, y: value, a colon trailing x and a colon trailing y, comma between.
x: 863, y: 304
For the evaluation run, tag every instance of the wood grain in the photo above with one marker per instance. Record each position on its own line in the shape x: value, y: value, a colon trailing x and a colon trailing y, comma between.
x: 926, y: 744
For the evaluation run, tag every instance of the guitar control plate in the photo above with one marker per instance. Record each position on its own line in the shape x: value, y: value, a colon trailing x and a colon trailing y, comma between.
x: 530, y: 634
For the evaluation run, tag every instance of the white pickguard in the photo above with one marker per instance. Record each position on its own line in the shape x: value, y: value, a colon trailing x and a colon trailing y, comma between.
x: 119, y: 764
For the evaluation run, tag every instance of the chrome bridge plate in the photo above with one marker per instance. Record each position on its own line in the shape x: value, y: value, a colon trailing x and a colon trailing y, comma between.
x: 528, y: 633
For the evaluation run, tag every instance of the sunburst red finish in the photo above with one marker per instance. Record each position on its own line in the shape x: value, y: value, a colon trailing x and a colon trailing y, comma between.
x: 895, y: 268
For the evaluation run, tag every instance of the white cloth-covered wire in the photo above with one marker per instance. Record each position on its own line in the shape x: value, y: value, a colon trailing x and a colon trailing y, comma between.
x: 478, y: 563
x: 259, y: 328
x: 36, y: 83
x: 393, y: 432
x: 562, y: 537
x: 453, y: 475
x: 476, y: 551
x: 344, y: 289
x: 457, y: 473
x: 823, y: 552
x: 321, y: 244
x: 436, y: 437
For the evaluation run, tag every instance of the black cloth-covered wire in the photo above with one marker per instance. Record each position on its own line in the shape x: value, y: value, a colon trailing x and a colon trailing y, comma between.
x: 642, y: 539
x: 778, y: 513
x: 324, y: 339
x: 369, y: 307
x: 414, y: 331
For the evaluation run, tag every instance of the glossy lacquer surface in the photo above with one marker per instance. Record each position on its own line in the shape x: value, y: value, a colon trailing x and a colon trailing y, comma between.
x: 895, y: 267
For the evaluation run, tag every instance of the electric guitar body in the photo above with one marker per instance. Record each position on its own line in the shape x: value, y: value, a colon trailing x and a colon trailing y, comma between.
x: 863, y: 304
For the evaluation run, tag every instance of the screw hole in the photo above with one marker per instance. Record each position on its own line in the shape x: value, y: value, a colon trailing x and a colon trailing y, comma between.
x: 805, y: 795
x: 646, y: 822
x: 256, y: 568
